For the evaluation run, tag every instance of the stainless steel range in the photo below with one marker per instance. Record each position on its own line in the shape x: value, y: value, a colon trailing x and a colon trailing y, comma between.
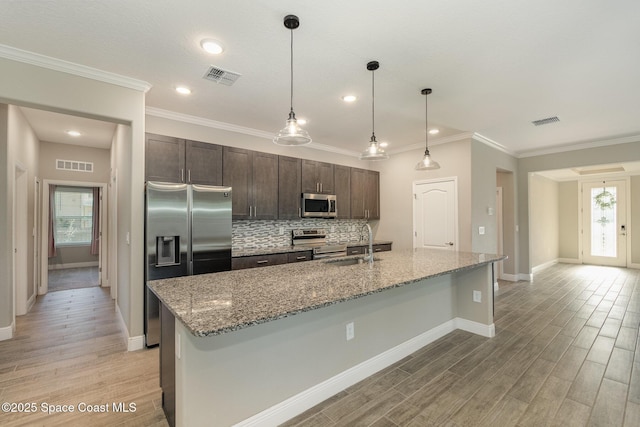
x: 316, y: 239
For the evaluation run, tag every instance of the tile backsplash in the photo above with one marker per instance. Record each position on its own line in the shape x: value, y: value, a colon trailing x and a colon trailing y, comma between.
x: 250, y: 234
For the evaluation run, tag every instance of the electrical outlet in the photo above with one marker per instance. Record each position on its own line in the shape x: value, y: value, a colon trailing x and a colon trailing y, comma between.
x: 477, y: 296
x: 480, y: 230
x: 351, y: 332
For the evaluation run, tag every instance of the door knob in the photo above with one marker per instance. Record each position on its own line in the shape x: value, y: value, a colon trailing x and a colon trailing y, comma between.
x: 449, y: 243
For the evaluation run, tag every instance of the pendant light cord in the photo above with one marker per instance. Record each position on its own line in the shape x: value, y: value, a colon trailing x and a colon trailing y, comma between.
x: 373, y: 107
x: 426, y: 124
x: 291, y: 100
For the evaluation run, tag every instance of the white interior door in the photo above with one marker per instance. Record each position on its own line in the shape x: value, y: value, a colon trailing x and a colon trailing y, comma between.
x: 604, y: 226
x: 435, y: 214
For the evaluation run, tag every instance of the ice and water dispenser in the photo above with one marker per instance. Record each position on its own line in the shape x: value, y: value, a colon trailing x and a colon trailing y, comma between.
x: 167, y: 251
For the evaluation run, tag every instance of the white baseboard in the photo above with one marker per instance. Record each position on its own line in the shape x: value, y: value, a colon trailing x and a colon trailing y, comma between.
x: 526, y: 277
x: 299, y: 403
x: 133, y: 343
x: 542, y: 266
x: 6, y: 333
x: 73, y: 265
x: 634, y: 265
x: 30, y: 302
x: 569, y: 261
x: 488, y: 331
x: 509, y: 277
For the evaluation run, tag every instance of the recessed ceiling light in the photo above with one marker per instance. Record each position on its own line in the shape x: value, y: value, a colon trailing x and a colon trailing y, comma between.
x: 302, y: 121
x: 434, y: 131
x: 212, y: 46
x: 183, y: 90
x: 349, y: 98
x: 384, y: 144
x: 74, y: 133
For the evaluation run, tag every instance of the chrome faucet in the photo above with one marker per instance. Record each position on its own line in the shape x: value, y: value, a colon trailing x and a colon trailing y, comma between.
x: 369, y: 257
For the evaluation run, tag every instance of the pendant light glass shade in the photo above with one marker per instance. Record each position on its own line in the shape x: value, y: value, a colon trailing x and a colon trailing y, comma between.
x: 292, y: 133
x: 427, y: 163
x: 373, y: 151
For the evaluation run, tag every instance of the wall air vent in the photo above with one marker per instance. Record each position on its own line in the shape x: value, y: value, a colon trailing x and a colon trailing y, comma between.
x: 221, y: 76
x: 74, y: 165
x: 546, y: 121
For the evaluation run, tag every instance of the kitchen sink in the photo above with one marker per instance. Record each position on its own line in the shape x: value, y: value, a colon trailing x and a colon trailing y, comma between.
x: 348, y: 261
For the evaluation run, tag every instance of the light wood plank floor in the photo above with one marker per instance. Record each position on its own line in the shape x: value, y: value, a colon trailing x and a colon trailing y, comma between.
x: 70, y: 349
x: 73, y: 278
x: 566, y: 353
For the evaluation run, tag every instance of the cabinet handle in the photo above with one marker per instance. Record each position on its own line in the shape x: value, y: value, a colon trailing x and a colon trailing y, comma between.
x: 262, y: 261
x: 300, y: 258
x: 250, y: 210
x: 355, y: 251
x: 377, y: 249
x: 189, y: 176
x: 255, y: 211
x: 321, y: 187
x: 181, y: 175
x: 299, y: 212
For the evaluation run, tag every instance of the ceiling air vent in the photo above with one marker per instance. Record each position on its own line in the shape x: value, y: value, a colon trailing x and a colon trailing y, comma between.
x: 546, y: 121
x: 221, y: 76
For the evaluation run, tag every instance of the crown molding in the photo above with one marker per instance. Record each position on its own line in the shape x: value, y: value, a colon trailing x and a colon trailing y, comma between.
x: 493, y: 144
x: 580, y: 146
x: 56, y: 64
x: 420, y: 145
x: 215, y: 124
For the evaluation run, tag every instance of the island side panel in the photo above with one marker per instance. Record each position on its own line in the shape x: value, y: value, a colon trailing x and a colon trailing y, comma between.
x: 476, y: 317
x: 222, y: 380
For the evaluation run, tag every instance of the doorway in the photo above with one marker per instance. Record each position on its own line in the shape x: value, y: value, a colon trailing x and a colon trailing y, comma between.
x: 604, y: 223
x: 499, y: 266
x: 72, y: 235
x: 435, y: 214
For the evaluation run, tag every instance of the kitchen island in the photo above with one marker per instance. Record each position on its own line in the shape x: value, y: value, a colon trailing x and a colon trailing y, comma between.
x: 258, y: 346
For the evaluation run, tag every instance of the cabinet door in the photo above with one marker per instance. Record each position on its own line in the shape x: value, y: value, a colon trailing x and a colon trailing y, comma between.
x: 358, y: 179
x: 310, y: 181
x: 164, y: 158
x: 342, y: 178
x: 265, y: 186
x: 372, y: 195
x: 289, y: 187
x: 236, y: 173
x: 324, y: 172
x: 203, y: 163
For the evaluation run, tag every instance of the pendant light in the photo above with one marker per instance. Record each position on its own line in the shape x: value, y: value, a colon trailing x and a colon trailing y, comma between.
x: 292, y: 133
x: 427, y: 163
x: 373, y: 151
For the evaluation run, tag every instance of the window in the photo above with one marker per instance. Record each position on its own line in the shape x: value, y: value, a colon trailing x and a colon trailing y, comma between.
x: 73, y: 215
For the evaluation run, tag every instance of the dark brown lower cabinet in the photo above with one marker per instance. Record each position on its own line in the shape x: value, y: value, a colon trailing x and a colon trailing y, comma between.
x: 258, y: 261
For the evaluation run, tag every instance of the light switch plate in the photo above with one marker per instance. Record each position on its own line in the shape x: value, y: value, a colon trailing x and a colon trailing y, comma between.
x: 477, y: 296
x: 480, y: 230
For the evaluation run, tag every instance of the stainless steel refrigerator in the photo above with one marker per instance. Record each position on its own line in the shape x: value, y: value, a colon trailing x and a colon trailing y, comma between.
x: 188, y: 231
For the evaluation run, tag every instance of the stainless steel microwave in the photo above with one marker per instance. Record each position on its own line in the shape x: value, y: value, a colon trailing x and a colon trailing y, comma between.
x: 318, y: 205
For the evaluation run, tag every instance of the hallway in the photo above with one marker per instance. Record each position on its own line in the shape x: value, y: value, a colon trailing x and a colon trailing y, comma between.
x: 70, y: 349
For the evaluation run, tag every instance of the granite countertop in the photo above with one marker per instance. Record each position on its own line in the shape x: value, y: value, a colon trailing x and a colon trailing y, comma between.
x: 217, y: 303
x: 237, y: 253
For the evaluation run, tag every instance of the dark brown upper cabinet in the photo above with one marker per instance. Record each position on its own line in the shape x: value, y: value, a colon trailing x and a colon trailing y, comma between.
x: 289, y: 185
x: 317, y: 177
x: 365, y: 194
x: 342, y: 182
x: 169, y: 159
x: 254, y: 178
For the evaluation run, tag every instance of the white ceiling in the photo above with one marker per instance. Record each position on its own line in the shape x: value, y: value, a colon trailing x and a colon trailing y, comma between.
x: 494, y: 66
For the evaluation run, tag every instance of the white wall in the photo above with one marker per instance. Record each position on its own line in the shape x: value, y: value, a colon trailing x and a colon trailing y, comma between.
x: 568, y: 212
x: 397, y: 176
x: 50, y: 151
x: 40, y: 87
x: 544, y: 214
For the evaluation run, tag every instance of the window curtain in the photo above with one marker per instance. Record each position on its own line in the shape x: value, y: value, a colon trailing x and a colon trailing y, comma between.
x: 95, y: 226
x: 52, y: 214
